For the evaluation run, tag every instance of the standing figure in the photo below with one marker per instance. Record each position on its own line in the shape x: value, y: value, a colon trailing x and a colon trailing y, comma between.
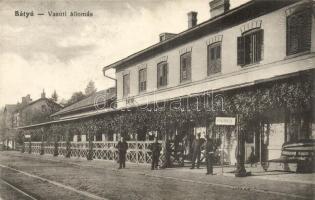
x: 156, y: 149
x: 209, y: 155
x: 122, y: 147
x: 196, y: 151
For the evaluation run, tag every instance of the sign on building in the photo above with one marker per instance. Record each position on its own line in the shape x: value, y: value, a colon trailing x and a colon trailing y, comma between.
x: 27, y: 136
x: 229, y: 121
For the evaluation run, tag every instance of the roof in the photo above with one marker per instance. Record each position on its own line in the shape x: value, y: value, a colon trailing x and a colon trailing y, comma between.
x: 40, y: 99
x: 245, y: 12
x: 10, y: 108
x: 99, y: 98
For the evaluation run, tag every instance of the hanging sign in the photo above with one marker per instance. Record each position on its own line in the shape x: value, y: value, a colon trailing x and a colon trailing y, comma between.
x: 27, y: 136
x: 229, y: 121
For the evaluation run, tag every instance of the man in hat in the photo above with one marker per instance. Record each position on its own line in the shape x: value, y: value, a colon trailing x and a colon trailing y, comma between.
x: 196, y: 151
x: 122, y: 147
x: 156, y: 149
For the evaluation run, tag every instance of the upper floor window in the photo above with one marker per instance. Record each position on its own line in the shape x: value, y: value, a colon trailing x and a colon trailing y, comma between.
x: 250, y: 47
x: 299, y: 25
x: 214, y: 58
x: 126, y: 85
x: 162, y: 70
x: 142, y: 80
x: 185, y: 67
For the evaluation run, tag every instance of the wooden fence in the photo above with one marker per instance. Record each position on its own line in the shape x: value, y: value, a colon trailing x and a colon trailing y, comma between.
x: 138, y: 151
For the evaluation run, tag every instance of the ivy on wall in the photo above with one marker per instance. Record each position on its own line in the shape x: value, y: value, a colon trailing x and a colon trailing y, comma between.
x: 291, y: 94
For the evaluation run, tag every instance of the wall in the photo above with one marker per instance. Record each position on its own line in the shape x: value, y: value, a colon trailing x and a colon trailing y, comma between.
x: 274, y: 63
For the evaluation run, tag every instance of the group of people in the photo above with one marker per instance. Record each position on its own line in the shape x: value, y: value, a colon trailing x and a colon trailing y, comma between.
x: 209, y: 153
x: 155, y: 147
x: 122, y: 147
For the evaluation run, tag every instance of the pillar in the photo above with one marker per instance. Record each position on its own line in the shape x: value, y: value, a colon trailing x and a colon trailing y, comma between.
x: 90, y: 147
x: 68, y: 144
x: 240, y: 170
x: 56, y: 146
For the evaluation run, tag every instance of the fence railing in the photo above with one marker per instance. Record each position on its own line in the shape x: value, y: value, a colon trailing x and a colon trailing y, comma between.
x: 138, y: 151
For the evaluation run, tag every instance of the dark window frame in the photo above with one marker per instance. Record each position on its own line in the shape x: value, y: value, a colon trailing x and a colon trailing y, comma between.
x: 162, y: 81
x: 126, y: 93
x: 299, y: 32
x: 143, y: 83
x: 250, y: 47
x: 213, y: 61
x: 185, y: 63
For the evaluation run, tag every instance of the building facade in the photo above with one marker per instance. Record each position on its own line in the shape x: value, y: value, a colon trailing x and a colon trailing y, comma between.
x: 254, y: 46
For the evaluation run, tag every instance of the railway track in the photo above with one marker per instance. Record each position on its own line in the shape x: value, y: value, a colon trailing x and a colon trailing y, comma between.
x: 80, y: 192
x: 16, y: 189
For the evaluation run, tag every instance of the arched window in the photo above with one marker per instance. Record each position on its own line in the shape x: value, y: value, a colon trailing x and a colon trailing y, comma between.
x: 162, y: 71
x: 185, y: 67
x: 250, y: 47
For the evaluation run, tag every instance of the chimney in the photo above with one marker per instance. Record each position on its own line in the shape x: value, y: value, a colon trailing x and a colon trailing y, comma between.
x: 26, y: 100
x: 23, y: 100
x: 192, y: 19
x: 43, y: 95
x: 166, y: 36
x: 218, y: 7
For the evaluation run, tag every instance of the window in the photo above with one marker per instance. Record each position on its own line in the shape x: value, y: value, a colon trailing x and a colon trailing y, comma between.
x: 185, y: 67
x: 214, y: 58
x: 250, y: 47
x: 299, y: 26
x: 162, y: 69
x: 126, y: 82
x: 142, y: 80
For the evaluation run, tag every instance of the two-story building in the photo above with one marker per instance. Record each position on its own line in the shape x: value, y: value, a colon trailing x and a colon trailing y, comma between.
x: 257, y: 59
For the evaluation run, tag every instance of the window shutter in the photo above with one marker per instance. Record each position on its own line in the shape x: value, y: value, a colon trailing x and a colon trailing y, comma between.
x: 189, y: 66
x: 306, y: 30
x: 165, y: 71
x: 240, y: 51
x: 260, y: 44
x: 158, y: 75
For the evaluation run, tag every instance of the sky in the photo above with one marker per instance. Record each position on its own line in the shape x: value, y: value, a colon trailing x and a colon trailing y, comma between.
x: 65, y: 53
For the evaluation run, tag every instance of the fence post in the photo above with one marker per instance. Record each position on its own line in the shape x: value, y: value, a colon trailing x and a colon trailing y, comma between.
x: 137, y: 150
x: 23, y: 144
x: 56, y: 146
x: 30, y: 145
x: 90, y: 147
x: 42, y: 145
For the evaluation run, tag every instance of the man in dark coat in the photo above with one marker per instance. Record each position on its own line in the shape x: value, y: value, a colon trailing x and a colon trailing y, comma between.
x: 209, y: 155
x: 156, y: 149
x: 122, y: 147
x: 196, y: 151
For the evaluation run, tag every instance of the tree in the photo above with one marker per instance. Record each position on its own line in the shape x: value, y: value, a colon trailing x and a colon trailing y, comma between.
x: 54, y: 96
x: 90, y: 88
x: 77, y: 96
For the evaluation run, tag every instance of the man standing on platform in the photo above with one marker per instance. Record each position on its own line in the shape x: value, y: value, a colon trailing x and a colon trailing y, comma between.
x: 122, y: 147
x: 209, y: 155
x: 196, y: 151
x: 156, y: 149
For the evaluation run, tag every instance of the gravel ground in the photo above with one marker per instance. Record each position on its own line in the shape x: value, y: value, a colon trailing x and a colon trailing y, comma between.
x: 104, y: 180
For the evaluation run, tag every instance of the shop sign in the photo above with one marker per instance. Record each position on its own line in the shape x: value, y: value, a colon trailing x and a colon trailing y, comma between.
x: 229, y: 121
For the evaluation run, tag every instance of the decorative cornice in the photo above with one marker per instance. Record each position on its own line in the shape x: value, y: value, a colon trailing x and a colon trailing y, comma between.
x: 251, y: 25
x: 185, y: 50
x: 214, y: 39
x: 162, y: 59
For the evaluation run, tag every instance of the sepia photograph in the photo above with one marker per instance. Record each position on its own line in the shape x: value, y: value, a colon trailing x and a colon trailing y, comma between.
x: 157, y: 99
